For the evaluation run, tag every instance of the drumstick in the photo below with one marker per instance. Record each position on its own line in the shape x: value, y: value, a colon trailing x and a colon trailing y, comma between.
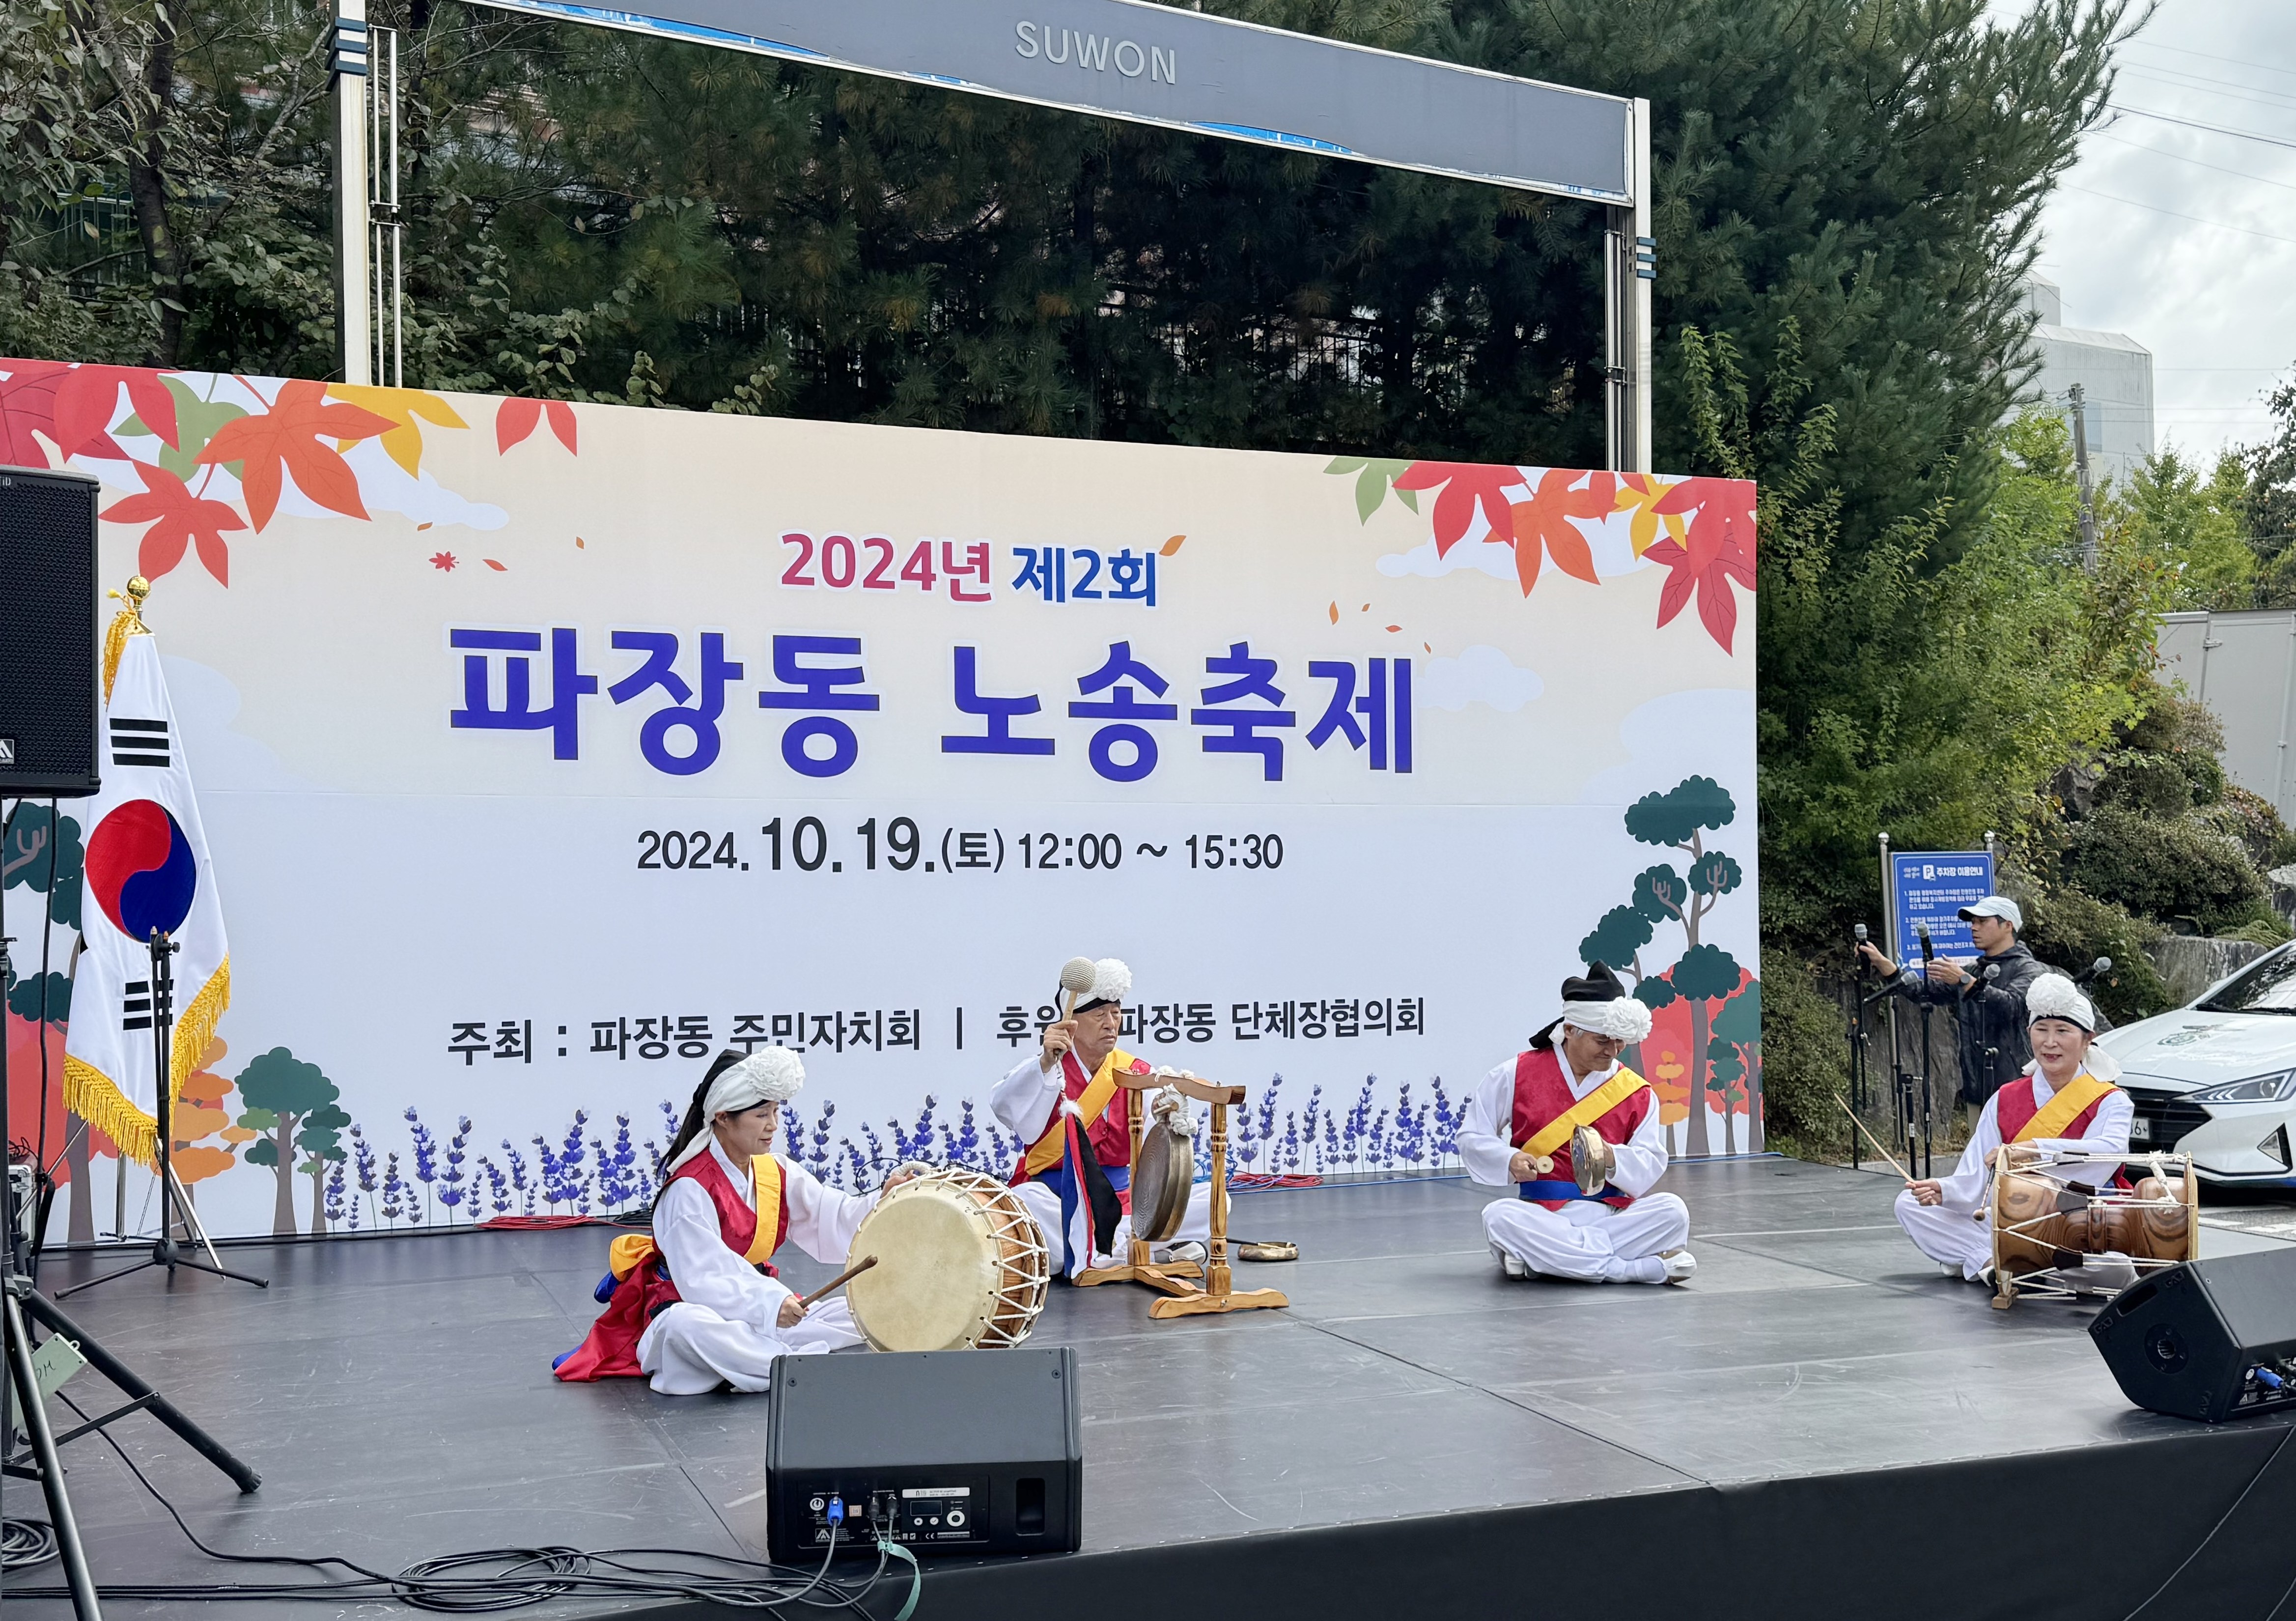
x: 1876, y: 1141
x: 806, y: 1303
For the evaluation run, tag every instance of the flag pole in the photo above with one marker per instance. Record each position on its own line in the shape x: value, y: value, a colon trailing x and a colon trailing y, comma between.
x: 165, y: 1251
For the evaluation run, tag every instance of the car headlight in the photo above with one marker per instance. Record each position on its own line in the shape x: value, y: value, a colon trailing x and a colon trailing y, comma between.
x: 2257, y: 1089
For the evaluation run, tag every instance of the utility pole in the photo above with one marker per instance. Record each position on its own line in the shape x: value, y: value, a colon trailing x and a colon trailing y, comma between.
x: 1630, y: 265
x: 2081, y: 474
x: 347, y: 62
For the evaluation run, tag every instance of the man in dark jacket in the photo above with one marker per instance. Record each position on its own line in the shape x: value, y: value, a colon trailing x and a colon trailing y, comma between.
x: 1988, y: 996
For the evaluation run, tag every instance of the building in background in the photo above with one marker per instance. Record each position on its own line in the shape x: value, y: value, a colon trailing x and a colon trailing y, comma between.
x: 2242, y: 665
x: 2115, y: 373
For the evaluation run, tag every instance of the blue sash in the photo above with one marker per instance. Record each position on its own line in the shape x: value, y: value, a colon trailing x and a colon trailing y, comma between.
x: 1562, y: 1190
x: 1062, y: 1177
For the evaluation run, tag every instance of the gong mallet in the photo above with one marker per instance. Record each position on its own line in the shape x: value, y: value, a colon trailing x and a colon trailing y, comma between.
x: 1869, y: 1136
x: 1077, y: 974
x: 805, y: 1301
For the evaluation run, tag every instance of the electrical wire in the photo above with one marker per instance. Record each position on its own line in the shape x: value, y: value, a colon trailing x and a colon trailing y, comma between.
x: 2245, y: 134
x: 2173, y: 214
x: 486, y: 1580
x: 25, y: 1543
x: 2223, y: 1519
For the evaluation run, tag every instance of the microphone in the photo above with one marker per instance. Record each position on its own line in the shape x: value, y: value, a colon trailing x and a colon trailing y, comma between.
x: 2102, y: 965
x: 1921, y: 930
x: 1992, y: 972
x: 1857, y: 932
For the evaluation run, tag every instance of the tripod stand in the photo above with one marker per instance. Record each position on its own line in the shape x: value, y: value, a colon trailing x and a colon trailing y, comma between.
x: 20, y: 1394
x: 165, y: 1251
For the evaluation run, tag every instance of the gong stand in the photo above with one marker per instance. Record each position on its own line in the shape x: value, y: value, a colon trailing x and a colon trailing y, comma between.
x: 1172, y: 1278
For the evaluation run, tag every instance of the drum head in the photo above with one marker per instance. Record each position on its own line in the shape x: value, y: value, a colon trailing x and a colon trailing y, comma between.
x: 936, y: 1273
x: 1161, y: 1180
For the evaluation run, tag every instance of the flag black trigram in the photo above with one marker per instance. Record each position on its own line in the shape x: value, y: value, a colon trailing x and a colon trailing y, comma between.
x: 139, y: 743
x: 136, y: 1004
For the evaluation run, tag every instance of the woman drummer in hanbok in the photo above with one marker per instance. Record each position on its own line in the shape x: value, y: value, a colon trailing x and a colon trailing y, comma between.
x: 698, y: 1304
x: 2065, y: 1106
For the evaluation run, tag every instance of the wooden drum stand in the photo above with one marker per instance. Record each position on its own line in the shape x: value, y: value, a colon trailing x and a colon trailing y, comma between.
x: 1172, y: 1278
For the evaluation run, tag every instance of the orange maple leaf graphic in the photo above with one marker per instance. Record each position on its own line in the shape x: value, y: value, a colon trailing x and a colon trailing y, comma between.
x: 514, y: 419
x: 444, y: 562
x: 1466, y: 485
x: 1541, y: 525
x: 179, y: 518
x: 284, y: 441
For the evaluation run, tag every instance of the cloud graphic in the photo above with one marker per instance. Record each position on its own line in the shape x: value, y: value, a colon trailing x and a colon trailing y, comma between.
x: 1480, y: 675
x: 1707, y: 732
x: 385, y: 486
x: 1489, y: 556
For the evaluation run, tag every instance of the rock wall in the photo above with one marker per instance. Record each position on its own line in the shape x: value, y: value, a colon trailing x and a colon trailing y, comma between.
x: 2192, y: 963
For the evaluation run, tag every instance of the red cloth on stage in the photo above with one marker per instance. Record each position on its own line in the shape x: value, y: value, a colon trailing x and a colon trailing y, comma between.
x: 611, y: 1349
x: 1543, y: 1095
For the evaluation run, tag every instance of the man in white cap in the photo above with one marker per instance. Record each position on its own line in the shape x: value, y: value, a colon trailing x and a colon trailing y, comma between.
x: 2064, y: 1106
x: 1525, y: 1113
x: 696, y: 1304
x: 1064, y: 1101
x: 1988, y: 995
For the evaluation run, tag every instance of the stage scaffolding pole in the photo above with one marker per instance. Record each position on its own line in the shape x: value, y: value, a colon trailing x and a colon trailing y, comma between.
x: 347, y: 62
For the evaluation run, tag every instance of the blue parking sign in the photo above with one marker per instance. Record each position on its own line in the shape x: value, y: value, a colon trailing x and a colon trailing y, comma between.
x: 1930, y: 887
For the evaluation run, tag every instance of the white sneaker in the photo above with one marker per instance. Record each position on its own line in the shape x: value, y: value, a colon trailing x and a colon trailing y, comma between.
x: 1188, y: 1249
x: 1679, y: 1264
x: 1953, y: 1270
x: 1513, y: 1266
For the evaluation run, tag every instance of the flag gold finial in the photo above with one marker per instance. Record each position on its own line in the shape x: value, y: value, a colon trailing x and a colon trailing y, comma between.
x: 128, y: 621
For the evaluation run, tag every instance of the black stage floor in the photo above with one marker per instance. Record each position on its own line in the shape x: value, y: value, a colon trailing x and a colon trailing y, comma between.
x: 1818, y: 1425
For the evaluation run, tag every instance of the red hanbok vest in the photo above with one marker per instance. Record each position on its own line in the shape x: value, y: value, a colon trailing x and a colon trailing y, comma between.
x: 1542, y: 1096
x: 2015, y: 1109
x: 1111, y: 1131
x: 640, y: 1288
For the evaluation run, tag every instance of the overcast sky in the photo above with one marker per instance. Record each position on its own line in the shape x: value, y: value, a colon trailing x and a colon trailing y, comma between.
x: 2140, y: 238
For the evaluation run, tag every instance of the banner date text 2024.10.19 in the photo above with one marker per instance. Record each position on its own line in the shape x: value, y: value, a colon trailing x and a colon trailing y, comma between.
x: 805, y: 844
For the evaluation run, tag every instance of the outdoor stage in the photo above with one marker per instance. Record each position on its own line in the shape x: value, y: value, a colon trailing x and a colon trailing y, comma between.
x: 1818, y: 1424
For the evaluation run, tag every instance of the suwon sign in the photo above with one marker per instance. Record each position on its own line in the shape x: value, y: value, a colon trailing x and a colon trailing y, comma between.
x: 1185, y: 70
x: 543, y: 750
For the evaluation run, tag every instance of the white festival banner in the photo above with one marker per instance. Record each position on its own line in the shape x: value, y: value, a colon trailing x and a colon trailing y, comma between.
x: 548, y: 749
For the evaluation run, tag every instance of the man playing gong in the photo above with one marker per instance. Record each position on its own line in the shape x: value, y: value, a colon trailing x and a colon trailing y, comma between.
x: 1519, y: 1128
x: 2063, y: 1105
x: 1064, y: 1101
x: 697, y: 1304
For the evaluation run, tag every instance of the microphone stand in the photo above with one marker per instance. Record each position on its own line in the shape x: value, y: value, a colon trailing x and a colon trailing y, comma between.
x: 23, y: 1403
x: 165, y: 1251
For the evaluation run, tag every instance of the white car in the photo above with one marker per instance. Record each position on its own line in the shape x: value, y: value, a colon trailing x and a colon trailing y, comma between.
x: 2217, y: 1080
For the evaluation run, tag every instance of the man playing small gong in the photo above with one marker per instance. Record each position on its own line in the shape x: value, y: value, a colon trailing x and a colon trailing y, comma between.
x: 1064, y: 1101
x: 1519, y: 1128
x: 697, y: 1304
x: 2064, y: 1104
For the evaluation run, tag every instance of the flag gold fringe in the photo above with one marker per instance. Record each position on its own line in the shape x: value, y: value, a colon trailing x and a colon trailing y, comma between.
x: 124, y: 624
x: 96, y: 1097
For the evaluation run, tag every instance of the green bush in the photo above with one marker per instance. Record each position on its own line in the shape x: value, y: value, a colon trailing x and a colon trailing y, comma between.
x: 2070, y: 930
x: 2250, y: 818
x: 1805, y: 1059
x: 2168, y: 868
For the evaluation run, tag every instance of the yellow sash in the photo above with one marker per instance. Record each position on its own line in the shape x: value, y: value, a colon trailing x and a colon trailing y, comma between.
x: 633, y: 1250
x: 1586, y: 1111
x: 2063, y: 1107
x: 1046, y: 1152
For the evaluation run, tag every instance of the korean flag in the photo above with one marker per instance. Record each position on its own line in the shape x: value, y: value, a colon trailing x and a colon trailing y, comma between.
x: 147, y: 869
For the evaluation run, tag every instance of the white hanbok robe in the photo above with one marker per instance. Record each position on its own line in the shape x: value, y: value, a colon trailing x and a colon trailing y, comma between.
x: 1959, y: 1232
x: 723, y: 1329
x: 1585, y: 1239
x: 1024, y: 1103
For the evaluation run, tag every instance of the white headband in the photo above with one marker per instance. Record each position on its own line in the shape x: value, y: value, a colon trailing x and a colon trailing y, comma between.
x: 771, y: 1074
x: 2052, y: 996
x: 1112, y: 981
x: 1624, y: 1018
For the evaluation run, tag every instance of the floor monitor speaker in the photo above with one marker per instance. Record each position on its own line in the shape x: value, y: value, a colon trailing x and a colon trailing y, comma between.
x: 2210, y: 1339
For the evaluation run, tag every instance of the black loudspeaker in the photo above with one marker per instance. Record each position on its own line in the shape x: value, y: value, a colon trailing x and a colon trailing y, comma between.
x: 2209, y: 1339
x: 951, y: 1452
x: 47, y: 634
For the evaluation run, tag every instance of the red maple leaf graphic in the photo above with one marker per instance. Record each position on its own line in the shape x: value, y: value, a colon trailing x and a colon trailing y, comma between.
x: 28, y: 403
x: 1466, y: 485
x: 178, y: 518
x: 1719, y: 549
x: 87, y: 398
x: 516, y: 418
x: 1543, y: 525
x: 444, y: 562
x: 285, y: 441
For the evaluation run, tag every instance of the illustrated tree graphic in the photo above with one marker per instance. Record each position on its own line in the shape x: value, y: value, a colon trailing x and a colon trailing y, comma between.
x: 292, y: 1103
x: 1735, y: 1052
x: 198, y: 1114
x: 1678, y: 818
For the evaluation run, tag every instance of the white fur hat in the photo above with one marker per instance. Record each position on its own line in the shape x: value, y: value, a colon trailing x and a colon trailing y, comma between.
x: 770, y: 1075
x: 1112, y: 981
x: 2052, y: 996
